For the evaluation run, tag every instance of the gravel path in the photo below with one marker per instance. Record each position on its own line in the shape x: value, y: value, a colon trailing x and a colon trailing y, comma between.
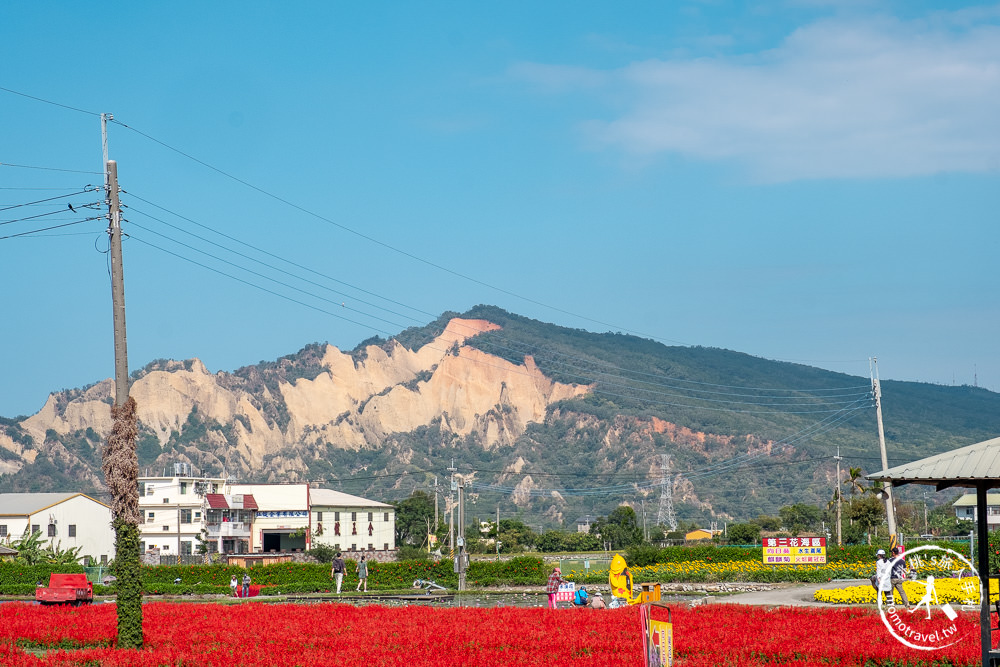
x: 796, y: 595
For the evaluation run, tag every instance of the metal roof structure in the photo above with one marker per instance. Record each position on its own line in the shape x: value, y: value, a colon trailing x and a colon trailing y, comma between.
x: 969, y: 500
x: 25, y: 504
x: 975, y: 465
x: 219, y: 501
x: 331, y: 498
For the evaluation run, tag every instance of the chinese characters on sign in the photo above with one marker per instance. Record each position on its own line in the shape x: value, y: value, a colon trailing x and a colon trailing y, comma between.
x: 794, y: 550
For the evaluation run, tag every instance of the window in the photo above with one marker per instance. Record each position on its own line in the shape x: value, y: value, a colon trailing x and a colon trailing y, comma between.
x: 149, y: 517
x: 336, y: 516
x: 186, y: 549
x: 142, y: 489
x: 386, y: 547
x: 166, y: 500
x: 142, y: 547
x: 354, y: 516
x: 371, y: 516
x: 104, y: 557
x: 354, y: 547
x: 149, y: 489
x: 184, y: 488
x: 197, y: 516
x: 386, y: 517
x: 166, y: 547
x: 3, y: 530
x: 72, y: 530
x: 185, y: 516
x: 371, y: 547
x: 319, y: 516
x: 35, y: 528
x: 166, y: 527
x: 52, y: 530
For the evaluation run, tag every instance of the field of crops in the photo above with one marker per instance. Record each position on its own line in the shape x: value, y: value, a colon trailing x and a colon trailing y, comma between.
x: 254, y: 635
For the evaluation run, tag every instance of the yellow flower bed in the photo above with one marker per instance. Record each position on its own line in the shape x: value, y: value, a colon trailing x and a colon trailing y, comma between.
x: 744, y: 570
x: 954, y: 591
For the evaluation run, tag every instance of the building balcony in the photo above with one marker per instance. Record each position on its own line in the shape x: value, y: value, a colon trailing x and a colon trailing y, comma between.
x: 228, y: 529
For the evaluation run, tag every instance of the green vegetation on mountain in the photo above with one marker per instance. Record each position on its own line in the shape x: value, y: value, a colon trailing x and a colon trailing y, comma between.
x: 746, y: 436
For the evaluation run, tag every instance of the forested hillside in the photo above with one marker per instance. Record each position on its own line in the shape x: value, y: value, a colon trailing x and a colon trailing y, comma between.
x: 548, y: 422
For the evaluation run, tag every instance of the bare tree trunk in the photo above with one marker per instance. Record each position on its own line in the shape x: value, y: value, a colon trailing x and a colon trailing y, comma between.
x: 121, y: 472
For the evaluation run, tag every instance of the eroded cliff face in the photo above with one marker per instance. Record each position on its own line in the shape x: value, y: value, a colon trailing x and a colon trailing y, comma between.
x: 249, y: 418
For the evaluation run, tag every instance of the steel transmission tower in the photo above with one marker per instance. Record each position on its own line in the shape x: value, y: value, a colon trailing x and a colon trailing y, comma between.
x: 665, y: 516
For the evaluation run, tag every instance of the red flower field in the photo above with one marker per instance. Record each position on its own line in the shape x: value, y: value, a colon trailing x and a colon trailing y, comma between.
x: 255, y: 634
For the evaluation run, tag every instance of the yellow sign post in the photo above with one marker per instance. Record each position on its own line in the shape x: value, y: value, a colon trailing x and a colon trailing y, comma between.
x: 658, y: 639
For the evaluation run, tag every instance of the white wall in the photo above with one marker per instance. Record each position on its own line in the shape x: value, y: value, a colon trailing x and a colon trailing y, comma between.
x: 383, y: 532
x: 92, y: 521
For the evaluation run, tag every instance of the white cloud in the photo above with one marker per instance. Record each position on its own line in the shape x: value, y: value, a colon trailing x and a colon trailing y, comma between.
x: 837, y: 99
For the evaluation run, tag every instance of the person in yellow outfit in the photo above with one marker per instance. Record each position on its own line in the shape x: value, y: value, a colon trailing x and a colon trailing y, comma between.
x: 621, y: 580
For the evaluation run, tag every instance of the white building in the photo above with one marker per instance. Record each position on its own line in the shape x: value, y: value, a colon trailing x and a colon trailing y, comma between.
x: 282, y: 518
x: 228, y: 521
x: 965, y: 508
x: 351, y: 523
x: 173, y: 511
x: 67, y: 520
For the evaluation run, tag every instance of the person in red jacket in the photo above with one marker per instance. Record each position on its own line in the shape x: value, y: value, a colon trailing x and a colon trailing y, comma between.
x: 552, y: 587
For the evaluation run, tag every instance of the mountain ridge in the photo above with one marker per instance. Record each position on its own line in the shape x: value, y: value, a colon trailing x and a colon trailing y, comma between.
x: 535, y: 413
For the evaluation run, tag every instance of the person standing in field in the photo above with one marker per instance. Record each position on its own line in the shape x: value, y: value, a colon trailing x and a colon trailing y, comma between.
x: 898, y: 574
x: 337, y: 572
x: 232, y: 585
x: 552, y: 587
x: 246, y: 585
x: 363, y: 573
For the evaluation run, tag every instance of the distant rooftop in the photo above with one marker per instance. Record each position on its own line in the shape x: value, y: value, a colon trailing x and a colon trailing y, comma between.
x: 23, y: 504
x: 331, y: 498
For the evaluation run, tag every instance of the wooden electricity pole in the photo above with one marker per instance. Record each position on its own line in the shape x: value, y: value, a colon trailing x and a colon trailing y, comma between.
x: 121, y: 467
x: 890, y: 510
x: 840, y: 539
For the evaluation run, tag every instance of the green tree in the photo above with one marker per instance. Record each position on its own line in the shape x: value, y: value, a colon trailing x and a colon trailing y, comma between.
x: 799, y: 518
x: 412, y: 517
x: 768, y: 523
x: 514, y: 535
x: 620, y: 528
x: 743, y: 533
x: 869, y: 512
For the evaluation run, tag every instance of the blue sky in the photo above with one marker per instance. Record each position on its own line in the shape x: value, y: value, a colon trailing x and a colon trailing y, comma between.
x: 804, y: 180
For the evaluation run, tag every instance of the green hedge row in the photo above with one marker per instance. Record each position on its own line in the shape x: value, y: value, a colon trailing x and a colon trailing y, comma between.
x: 298, y: 577
x: 16, y: 574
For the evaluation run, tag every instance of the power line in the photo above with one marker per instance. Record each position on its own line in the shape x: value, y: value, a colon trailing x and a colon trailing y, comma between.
x: 41, y: 201
x: 383, y: 331
x: 45, y: 229
x: 69, y: 171
x: 771, y: 401
x: 383, y: 244
x: 56, y: 104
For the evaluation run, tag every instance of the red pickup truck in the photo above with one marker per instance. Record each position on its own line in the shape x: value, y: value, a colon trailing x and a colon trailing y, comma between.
x: 66, y: 589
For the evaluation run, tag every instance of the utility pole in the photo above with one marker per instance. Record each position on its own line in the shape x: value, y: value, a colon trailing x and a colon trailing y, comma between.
x: 117, y: 287
x: 840, y: 539
x: 451, y: 510
x: 925, y: 514
x: 435, y: 503
x: 460, y: 563
x: 119, y: 462
x: 890, y: 511
x: 498, y: 530
x: 645, y: 534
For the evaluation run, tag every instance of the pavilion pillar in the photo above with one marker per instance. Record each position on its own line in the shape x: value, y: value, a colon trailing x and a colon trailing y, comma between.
x: 983, y: 565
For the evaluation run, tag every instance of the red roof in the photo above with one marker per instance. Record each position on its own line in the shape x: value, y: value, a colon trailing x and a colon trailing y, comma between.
x: 218, y: 501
